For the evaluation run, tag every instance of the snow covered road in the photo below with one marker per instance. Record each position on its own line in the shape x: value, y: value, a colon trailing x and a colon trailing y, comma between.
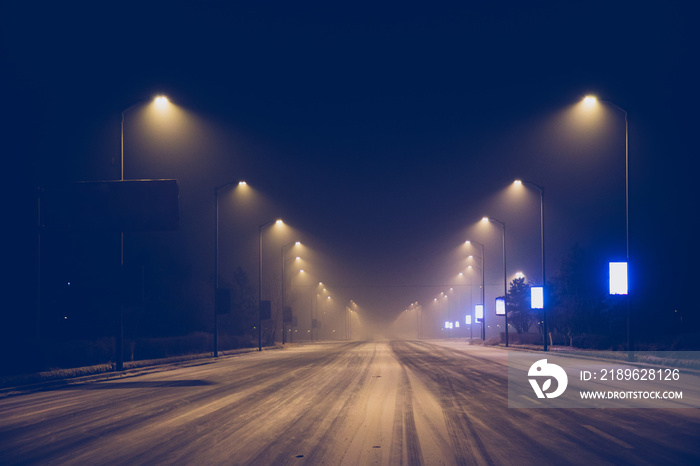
x: 399, y: 402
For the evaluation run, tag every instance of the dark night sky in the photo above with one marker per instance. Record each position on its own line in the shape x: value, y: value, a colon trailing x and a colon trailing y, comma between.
x: 381, y: 132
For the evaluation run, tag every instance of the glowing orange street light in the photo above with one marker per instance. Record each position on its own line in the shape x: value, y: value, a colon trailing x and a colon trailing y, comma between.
x: 161, y: 101
x: 590, y: 100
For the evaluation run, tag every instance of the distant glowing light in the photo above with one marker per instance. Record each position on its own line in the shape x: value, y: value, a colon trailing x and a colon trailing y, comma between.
x: 484, y: 219
x: 590, y: 101
x: 517, y: 182
x: 519, y: 275
x: 536, y: 297
x: 456, y: 324
x: 297, y: 243
x: 467, y: 242
x: 279, y: 222
x: 161, y: 101
x: 468, y: 320
x: 479, y: 312
x: 242, y: 183
x: 618, y: 278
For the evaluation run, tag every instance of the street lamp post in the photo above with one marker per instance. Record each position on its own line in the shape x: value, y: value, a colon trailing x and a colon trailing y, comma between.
x: 593, y: 100
x: 119, y: 343
x: 216, y: 264
x: 471, y: 299
x: 505, y: 278
x: 295, y: 243
x: 260, y: 271
x: 544, y: 280
x: 483, y: 275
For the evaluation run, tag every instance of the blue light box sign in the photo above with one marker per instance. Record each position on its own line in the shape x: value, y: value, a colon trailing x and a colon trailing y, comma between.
x: 479, y: 313
x: 500, y: 306
x: 536, y: 297
x: 618, y: 278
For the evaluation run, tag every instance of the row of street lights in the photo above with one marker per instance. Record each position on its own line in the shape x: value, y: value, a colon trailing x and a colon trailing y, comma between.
x: 588, y: 101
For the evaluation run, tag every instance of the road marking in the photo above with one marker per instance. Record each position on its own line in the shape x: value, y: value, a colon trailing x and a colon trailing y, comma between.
x: 530, y: 399
x: 608, y: 436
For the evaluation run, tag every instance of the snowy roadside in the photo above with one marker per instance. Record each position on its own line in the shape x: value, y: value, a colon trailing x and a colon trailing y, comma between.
x: 22, y: 383
x: 687, y: 360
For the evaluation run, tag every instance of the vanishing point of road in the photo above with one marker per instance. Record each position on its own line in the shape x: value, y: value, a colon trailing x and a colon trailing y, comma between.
x: 355, y: 403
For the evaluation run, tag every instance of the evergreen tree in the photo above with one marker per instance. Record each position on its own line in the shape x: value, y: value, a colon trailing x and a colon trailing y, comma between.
x: 520, y: 315
x: 578, y: 297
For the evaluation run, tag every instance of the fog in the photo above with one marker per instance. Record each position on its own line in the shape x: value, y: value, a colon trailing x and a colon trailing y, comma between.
x: 381, y: 153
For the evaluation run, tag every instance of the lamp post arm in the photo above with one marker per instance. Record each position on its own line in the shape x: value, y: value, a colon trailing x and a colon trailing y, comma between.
x: 627, y: 176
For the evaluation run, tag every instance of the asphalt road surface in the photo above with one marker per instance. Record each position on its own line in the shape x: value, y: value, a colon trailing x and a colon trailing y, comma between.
x: 399, y: 402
